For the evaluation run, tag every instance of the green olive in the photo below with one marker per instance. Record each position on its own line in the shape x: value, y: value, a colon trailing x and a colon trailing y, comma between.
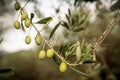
x: 17, y: 24
x: 27, y: 39
x: 63, y: 67
x: 38, y: 39
x: 24, y: 15
x: 27, y: 23
x: 17, y: 6
x: 50, y: 53
x: 42, y: 54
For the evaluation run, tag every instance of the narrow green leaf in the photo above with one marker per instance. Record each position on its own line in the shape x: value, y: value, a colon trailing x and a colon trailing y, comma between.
x: 75, y: 2
x: 65, y: 24
x: 5, y: 70
x: 22, y: 26
x: 80, y: 72
x: 63, y: 49
x: 44, y: 20
x: 6, y: 76
x: 71, y: 50
x: 55, y: 28
x: 56, y: 60
x: 78, y: 52
x: 75, y: 19
x: 88, y: 48
x: 82, y: 44
x: 68, y: 18
x: 90, y: 61
x: 78, y: 29
x: 69, y: 12
x: 1, y: 41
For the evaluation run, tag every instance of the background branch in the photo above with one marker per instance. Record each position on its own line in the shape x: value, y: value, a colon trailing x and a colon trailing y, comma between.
x: 112, y: 24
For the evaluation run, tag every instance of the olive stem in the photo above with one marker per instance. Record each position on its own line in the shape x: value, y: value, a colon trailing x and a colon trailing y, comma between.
x: 26, y: 3
x: 29, y: 30
x: 44, y: 27
x: 43, y: 46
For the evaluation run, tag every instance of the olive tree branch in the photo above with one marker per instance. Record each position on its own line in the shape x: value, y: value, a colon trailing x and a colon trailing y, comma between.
x: 112, y: 24
x: 56, y: 53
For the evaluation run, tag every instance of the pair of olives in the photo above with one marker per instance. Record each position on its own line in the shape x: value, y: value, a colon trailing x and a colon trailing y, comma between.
x: 42, y: 54
x: 37, y: 39
x: 27, y: 22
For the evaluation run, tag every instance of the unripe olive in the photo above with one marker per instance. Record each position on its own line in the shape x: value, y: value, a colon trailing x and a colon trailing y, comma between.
x: 17, y: 6
x: 50, y: 53
x: 17, y: 24
x: 42, y: 54
x: 27, y: 39
x: 63, y: 67
x: 24, y: 15
x: 38, y: 39
x: 27, y: 23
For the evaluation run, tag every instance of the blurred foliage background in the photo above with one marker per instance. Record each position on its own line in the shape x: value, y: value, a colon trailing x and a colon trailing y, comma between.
x: 26, y: 64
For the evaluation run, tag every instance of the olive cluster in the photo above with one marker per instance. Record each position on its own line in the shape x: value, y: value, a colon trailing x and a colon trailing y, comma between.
x: 24, y: 16
x: 27, y: 23
x: 50, y: 53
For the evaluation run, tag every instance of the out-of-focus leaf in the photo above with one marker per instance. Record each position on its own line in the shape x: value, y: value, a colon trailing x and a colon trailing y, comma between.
x: 65, y: 24
x: 75, y: 2
x: 57, y: 10
x: 6, y: 76
x: 88, y: 48
x: 83, y: 17
x: 45, y: 20
x: 69, y: 12
x: 68, y: 18
x: 78, y: 52
x: 31, y: 16
x: 63, y: 49
x: 75, y: 19
x: 87, y: 52
x: 5, y: 70
x: 71, y: 50
x: 78, y: 29
x: 56, y: 60
x: 6, y: 73
x: 55, y: 28
x: 82, y: 44
x: 1, y: 41
x: 22, y: 26
x: 81, y: 22
x: 90, y: 61
x: 79, y: 72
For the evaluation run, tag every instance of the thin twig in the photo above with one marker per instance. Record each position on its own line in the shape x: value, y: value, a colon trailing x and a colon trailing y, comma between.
x: 112, y: 24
